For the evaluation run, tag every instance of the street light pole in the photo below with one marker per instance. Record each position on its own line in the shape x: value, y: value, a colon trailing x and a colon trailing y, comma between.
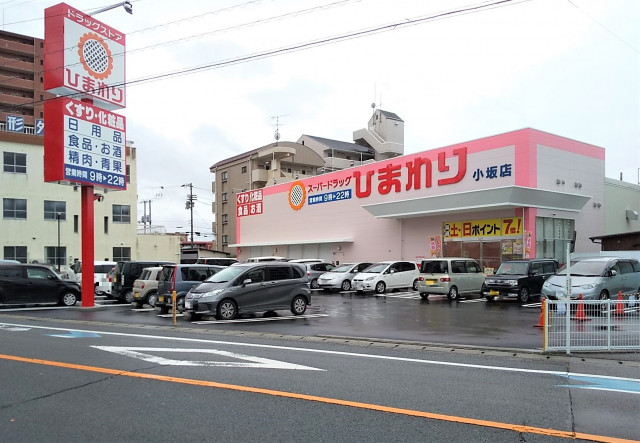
x: 127, y: 7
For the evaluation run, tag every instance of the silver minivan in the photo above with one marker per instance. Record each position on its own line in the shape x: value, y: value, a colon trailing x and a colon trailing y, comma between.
x: 248, y: 288
x: 450, y: 276
x: 599, y: 278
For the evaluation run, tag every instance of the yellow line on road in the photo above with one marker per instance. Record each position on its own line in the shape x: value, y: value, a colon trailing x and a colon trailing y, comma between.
x: 334, y: 401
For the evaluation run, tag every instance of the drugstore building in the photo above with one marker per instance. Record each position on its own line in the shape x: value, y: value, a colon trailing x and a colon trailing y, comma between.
x: 526, y: 193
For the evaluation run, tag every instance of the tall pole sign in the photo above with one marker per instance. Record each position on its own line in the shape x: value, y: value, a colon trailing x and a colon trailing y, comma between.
x: 85, y: 142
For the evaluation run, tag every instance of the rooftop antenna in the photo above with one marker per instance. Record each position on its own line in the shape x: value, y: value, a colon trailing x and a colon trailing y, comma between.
x: 276, y: 134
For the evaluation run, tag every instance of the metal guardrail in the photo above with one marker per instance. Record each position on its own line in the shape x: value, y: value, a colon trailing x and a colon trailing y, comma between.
x: 591, y: 325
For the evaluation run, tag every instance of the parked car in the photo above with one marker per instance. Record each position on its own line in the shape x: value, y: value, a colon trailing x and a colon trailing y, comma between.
x: 181, y: 278
x: 31, y: 283
x: 126, y: 273
x: 145, y: 288
x: 221, y: 261
x: 387, y: 275
x: 315, y: 270
x: 248, y: 288
x: 101, y: 282
x: 341, y: 276
x: 450, y: 276
x: 306, y: 260
x: 599, y: 278
x: 521, y: 279
x: 267, y: 258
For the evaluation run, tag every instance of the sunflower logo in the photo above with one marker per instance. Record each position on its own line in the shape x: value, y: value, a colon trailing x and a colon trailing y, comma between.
x: 95, y: 56
x: 297, y: 195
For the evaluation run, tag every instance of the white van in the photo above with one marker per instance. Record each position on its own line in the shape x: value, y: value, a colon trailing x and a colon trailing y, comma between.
x: 268, y: 258
x: 101, y: 282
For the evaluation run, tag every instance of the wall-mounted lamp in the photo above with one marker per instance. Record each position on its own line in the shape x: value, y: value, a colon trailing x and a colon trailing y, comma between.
x: 596, y: 204
x: 577, y: 185
x: 339, y: 248
x: 559, y: 182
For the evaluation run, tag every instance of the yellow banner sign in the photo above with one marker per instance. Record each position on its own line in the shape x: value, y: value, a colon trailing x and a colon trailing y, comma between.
x: 493, y: 227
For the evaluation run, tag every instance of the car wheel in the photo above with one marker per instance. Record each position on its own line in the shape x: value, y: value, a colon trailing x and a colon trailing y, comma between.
x: 524, y: 295
x: 453, y: 293
x: 415, y: 285
x: 68, y: 299
x: 346, y: 285
x: 152, y: 299
x: 298, y: 305
x: 180, y: 305
x: 424, y: 295
x: 314, y: 284
x: 380, y: 287
x: 227, y: 309
x: 128, y: 296
x: 604, y: 295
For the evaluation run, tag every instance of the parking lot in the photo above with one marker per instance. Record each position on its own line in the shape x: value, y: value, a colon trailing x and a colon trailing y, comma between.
x: 395, y: 316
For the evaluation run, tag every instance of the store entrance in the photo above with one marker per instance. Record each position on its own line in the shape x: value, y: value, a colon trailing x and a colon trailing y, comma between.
x: 488, y: 253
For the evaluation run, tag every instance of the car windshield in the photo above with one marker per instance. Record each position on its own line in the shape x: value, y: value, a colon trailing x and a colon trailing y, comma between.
x: 513, y: 268
x: 343, y: 268
x: 227, y: 274
x: 377, y: 268
x: 585, y: 268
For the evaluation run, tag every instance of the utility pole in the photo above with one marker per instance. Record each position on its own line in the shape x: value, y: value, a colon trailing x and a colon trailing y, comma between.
x: 190, y: 199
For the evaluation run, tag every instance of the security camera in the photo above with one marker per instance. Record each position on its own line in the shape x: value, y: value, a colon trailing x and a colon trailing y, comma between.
x: 98, y: 197
x: 554, y: 214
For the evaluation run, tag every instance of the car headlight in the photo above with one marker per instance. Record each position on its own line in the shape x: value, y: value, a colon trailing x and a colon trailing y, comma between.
x: 588, y: 286
x: 512, y: 282
x: 210, y: 293
x: 546, y: 284
x: 369, y: 278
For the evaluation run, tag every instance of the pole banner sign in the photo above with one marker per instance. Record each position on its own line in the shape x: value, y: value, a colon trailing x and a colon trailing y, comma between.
x: 84, y: 57
x: 84, y: 144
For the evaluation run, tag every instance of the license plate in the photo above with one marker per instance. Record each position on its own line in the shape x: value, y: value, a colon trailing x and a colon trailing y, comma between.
x: 136, y: 295
x: 494, y: 292
x: 161, y: 299
x: 429, y: 282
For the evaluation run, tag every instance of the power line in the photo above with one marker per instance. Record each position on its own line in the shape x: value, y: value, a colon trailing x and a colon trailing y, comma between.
x: 299, y: 46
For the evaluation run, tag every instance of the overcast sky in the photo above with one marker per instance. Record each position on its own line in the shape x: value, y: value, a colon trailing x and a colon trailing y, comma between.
x: 568, y: 67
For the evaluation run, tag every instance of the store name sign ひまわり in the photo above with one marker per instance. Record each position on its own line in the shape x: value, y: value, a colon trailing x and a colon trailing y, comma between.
x: 84, y: 57
x: 85, y: 144
x: 493, y: 227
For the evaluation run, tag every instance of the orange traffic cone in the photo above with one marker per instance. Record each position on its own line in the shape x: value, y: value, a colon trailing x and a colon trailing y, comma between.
x: 541, y: 319
x: 620, y: 304
x: 580, y: 310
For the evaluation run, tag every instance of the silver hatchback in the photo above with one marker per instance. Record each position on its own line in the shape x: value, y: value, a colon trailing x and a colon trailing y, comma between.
x: 598, y: 278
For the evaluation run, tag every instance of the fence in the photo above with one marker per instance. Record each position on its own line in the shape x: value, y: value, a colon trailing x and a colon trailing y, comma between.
x: 591, y: 325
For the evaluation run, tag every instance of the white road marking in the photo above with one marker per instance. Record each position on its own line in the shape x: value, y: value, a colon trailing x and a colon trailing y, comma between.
x: 262, y: 319
x: 342, y: 353
x: 249, y: 361
x: 474, y: 300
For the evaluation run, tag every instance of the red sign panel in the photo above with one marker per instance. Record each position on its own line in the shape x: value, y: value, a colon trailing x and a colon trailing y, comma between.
x: 84, y: 144
x: 249, y: 203
x: 84, y: 57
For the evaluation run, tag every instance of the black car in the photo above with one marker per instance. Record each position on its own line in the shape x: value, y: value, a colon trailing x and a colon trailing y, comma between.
x: 33, y: 284
x: 126, y: 273
x: 521, y: 279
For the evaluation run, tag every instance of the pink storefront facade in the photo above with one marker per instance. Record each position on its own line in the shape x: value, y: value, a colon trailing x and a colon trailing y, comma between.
x: 521, y: 194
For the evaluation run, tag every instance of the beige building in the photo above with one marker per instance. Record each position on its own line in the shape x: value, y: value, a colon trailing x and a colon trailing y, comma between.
x: 42, y: 221
x: 282, y: 162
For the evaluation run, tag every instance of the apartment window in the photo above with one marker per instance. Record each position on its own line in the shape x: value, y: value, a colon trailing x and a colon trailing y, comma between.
x: 121, y: 253
x: 128, y: 173
x: 76, y: 223
x: 224, y: 197
x: 14, y: 208
x: 106, y: 225
x: 225, y: 218
x: 16, y: 253
x: 225, y: 239
x: 55, y: 256
x: 53, y: 209
x: 244, y: 169
x: 224, y: 176
x: 15, y: 162
x: 121, y: 214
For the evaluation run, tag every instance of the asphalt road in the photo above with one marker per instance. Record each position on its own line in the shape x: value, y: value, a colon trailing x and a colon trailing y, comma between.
x: 77, y: 380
